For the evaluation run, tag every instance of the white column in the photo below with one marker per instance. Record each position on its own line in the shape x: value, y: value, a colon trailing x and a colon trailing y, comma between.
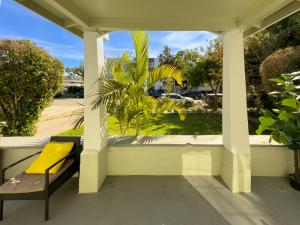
x: 93, y: 157
x: 236, y: 168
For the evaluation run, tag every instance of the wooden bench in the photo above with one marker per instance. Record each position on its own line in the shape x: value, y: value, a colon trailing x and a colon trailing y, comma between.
x: 40, y: 186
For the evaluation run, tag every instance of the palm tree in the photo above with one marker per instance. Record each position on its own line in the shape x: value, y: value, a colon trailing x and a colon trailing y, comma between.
x: 125, y: 94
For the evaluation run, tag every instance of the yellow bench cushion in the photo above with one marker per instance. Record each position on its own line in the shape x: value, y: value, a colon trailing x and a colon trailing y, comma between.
x: 52, y: 152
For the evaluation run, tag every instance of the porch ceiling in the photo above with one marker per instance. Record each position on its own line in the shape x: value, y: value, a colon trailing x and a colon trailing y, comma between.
x: 211, y: 15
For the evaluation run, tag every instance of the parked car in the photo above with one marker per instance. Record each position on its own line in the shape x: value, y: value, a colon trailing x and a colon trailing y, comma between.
x: 206, y: 93
x: 178, y: 98
x: 211, y: 97
x: 79, y: 94
x: 194, y: 94
x: 156, y: 93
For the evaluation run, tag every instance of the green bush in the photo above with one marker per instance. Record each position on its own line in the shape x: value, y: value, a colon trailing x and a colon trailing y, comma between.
x: 2, y: 122
x: 280, y: 62
x: 29, y: 78
x: 284, y: 121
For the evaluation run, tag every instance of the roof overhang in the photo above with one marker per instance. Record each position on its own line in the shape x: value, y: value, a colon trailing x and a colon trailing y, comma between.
x: 216, y: 16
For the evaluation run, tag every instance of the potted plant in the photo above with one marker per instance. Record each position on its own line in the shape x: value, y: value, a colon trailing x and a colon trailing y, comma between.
x: 283, y: 122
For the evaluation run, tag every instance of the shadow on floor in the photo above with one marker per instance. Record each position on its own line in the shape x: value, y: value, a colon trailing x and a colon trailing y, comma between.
x: 159, y: 200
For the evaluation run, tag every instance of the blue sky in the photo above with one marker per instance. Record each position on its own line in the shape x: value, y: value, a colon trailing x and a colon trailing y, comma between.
x: 18, y: 22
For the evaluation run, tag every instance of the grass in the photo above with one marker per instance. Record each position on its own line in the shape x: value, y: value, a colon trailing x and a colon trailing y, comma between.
x: 170, y: 124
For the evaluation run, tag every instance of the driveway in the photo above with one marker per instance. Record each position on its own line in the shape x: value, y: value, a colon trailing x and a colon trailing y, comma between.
x: 59, y: 116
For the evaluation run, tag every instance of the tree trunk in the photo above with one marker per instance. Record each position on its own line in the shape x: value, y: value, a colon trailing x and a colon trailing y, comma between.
x: 296, y: 162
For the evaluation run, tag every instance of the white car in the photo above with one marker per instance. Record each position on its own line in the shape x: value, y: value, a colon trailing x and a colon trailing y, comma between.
x: 178, y: 98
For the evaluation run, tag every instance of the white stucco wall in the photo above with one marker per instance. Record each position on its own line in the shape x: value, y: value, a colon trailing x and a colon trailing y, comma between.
x: 167, y: 155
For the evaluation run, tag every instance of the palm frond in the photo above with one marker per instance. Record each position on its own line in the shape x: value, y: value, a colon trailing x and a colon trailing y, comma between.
x: 167, y: 105
x: 122, y: 77
x: 79, y: 117
x: 120, y: 68
x: 108, y: 91
x: 79, y: 122
x: 153, y: 108
x: 162, y: 72
x: 141, y: 42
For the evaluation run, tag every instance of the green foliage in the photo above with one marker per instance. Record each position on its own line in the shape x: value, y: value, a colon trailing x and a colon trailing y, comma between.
x: 209, y: 69
x: 186, y: 59
x: 183, y: 60
x: 126, y: 94
x: 287, y: 31
x: 29, y: 78
x: 2, y: 121
x: 258, y: 47
x: 282, y: 61
x: 166, y: 57
x: 284, y: 121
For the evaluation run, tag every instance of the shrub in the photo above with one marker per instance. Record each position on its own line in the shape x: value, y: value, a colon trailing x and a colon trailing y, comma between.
x: 29, y: 78
x: 284, y: 121
x: 2, y: 122
x: 280, y: 62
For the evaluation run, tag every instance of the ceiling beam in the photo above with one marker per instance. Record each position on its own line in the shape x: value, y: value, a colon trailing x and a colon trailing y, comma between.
x: 48, y: 15
x: 259, y: 11
x: 71, y: 11
x: 40, y: 11
x: 275, y: 17
x: 69, y: 23
x: 214, y: 25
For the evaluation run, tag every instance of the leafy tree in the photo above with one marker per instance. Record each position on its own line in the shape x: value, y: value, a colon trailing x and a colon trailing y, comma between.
x: 166, y: 57
x: 2, y: 121
x: 282, y: 61
x: 29, y: 78
x: 76, y: 71
x: 186, y: 59
x: 258, y: 47
x: 287, y: 31
x: 209, y: 69
x: 284, y: 121
x: 126, y: 94
x: 183, y: 60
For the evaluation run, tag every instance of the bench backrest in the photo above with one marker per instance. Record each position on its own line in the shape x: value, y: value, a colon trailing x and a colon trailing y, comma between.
x: 77, y: 144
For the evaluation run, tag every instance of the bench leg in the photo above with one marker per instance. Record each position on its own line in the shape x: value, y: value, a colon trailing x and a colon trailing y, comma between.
x: 47, y: 208
x: 1, y: 210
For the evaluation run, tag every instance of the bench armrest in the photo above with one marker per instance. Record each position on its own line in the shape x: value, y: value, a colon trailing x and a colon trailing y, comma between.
x: 21, y: 160
x: 54, y: 164
x: 2, y: 177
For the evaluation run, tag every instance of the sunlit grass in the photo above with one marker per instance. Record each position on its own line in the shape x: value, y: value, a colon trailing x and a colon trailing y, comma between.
x: 170, y: 124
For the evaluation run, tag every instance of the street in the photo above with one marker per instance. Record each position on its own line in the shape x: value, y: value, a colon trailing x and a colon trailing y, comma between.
x: 59, y: 116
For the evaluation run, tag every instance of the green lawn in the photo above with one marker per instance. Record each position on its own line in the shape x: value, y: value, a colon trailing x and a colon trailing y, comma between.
x: 194, y: 124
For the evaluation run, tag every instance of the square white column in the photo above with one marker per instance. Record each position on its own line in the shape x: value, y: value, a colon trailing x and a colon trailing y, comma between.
x: 93, y: 157
x: 236, y: 168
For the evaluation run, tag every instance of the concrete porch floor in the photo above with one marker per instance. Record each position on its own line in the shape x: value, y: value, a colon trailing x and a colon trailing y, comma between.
x: 163, y: 200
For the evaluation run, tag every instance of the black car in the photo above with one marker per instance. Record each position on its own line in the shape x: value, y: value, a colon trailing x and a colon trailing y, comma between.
x: 79, y: 94
x: 156, y: 93
x: 193, y: 94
